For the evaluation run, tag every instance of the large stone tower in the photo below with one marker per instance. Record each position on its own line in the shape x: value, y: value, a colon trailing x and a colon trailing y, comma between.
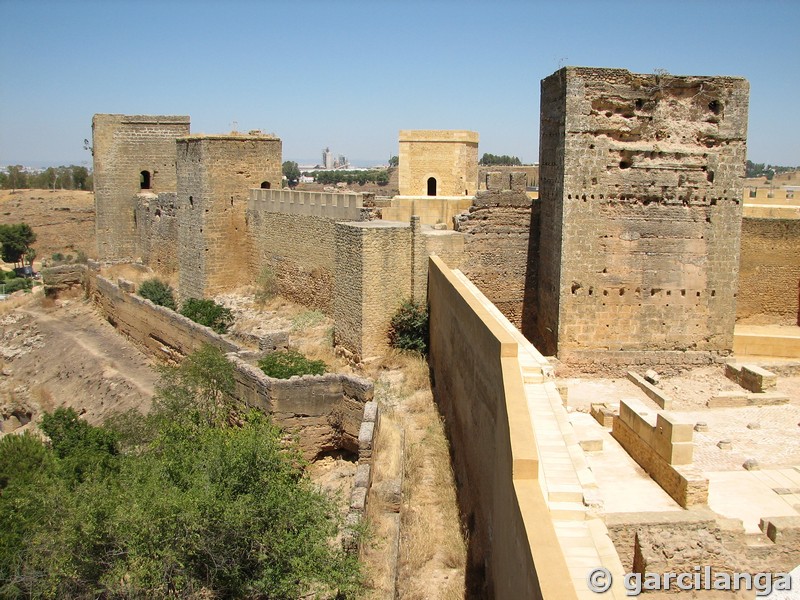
x: 641, y: 187
x: 132, y: 153
x: 215, y: 174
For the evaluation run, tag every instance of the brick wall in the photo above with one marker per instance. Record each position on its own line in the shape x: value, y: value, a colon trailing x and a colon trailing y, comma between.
x: 157, y: 231
x: 123, y: 147
x: 641, y: 187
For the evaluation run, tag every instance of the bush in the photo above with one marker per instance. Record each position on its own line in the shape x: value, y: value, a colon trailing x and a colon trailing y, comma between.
x: 158, y: 293
x: 208, y: 313
x: 266, y: 286
x: 284, y: 364
x: 16, y: 284
x: 408, y: 329
x: 198, y: 510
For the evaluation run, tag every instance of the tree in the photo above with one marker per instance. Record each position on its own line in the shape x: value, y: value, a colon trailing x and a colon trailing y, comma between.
x: 16, y: 241
x: 491, y: 159
x: 394, y: 161
x: 17, y: 178
x: 292, y: 172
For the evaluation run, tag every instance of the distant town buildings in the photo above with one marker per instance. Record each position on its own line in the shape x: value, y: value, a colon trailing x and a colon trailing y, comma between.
x: 329, y: 161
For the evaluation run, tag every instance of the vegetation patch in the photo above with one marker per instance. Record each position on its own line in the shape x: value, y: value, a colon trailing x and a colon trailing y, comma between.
x: 284, y: 364
x: 408, y: 329
x: 209, y: 313
x: 195, y: 500
x: 158, y: 293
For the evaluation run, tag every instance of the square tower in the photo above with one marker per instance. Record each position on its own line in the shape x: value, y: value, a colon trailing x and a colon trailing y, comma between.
x: 215, y: 174
x: 438, y: 163
x: 132, y: 153
x: 640, y: 189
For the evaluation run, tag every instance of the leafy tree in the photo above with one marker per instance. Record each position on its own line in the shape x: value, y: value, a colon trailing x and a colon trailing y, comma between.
x: 394, y: 161
x: 408, y: 329
x: 284, y: 364
x: 17, y: 177
x: 158, y: 293
x: 491, y: 159
x: 382, y: 178
x: 198, y: 509
x: 16, y: 241
x: 292, y: 172
x: 209, y: 313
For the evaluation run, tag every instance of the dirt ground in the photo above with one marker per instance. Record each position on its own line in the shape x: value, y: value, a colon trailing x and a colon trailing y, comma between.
x: 61, y: 353
x: 63, y: 220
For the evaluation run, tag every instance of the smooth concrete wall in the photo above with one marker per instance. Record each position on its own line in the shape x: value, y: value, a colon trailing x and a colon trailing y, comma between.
x: 513, y: 550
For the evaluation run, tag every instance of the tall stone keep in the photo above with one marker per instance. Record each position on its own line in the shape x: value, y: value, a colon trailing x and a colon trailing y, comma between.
x: 132, y: 153
x: 640, y: 186
x: 215, y: 174
x: 438, y: 163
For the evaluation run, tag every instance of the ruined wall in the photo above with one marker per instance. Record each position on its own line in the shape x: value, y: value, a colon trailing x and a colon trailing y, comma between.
x: 641, y: 188
x: 292, y: 239
x: 123, y: 147
x: 157, y: 231
x: 215, y: 174
x: 769, y: 273
x: 451, y: 157
x: 496, y: 243
x: 531, y: 174
x: 513, y: 550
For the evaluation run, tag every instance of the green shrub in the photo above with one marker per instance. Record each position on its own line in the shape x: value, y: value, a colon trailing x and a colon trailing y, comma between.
x: 284, y: 364
x: 200, y: 507
x: 17, y: 283
x: 408, y: 329
x: 158, y: 293
x: 208, y: 313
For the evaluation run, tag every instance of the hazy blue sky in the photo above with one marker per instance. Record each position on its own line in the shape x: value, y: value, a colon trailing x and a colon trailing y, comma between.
x: 350, y: 74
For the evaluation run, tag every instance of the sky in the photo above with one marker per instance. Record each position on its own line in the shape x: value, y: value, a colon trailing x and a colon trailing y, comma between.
x: 351, y: 74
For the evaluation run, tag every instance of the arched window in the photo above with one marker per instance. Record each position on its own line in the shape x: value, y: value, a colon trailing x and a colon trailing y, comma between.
x: 144, y: 180
x: 265, y: 185
x: 431, y: 186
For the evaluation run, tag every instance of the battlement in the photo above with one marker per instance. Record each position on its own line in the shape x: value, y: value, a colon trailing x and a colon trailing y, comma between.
x: 336, y: 206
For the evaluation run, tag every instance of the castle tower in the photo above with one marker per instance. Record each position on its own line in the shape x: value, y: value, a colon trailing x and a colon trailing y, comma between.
x: 215, y: 174
x: 438, y: 163
x: 641, y: 187
x: 132, y: 153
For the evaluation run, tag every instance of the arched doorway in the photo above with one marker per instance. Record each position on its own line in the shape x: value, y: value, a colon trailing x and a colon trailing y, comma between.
x: 265, y: 185
x: 144, y: 180
x: 431, y: 186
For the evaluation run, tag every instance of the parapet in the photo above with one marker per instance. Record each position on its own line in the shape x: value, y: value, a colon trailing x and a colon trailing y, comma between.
x: 336, y: 206
x: 439, y: 135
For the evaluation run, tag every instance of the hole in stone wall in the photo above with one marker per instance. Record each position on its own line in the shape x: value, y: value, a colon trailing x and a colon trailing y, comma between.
x: 715, y: 106
x: 158, y: 212
x: 144, y: 180
x: 621, y: 291
x: 639, y: 104
x: 191, y: 201
x: 265, y: 185
x: 624, y: 164
x: 713, y: 293
x: 710, y: 176
x: 575, y: 287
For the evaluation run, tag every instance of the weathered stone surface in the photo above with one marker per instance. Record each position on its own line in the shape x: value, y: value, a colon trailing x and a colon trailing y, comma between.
x: 450, y: 158
x: 751, y: 464
x: 640, y: 193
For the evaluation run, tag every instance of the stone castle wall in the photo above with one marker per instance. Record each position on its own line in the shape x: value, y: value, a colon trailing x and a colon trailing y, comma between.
x: 451, y: 157
x: 123, y: 147
x: 641, y: 181
x: 769, y: 276
x: 157, y: 231
x: 214, y: 176
x: 292, y: 236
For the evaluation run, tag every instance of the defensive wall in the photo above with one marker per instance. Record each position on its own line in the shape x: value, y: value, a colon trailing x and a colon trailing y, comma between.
x: 325, y: 413
x: 156, y: 221
x: 641, y: 188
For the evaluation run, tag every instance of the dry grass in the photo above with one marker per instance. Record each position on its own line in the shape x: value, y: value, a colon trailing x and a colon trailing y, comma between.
x: 19, y: 299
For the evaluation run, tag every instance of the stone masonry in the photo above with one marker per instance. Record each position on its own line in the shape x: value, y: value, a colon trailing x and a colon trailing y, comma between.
x: 450, y: 158
x: 641, y: 187
x: 131, y: 153
x: 215, y: 174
